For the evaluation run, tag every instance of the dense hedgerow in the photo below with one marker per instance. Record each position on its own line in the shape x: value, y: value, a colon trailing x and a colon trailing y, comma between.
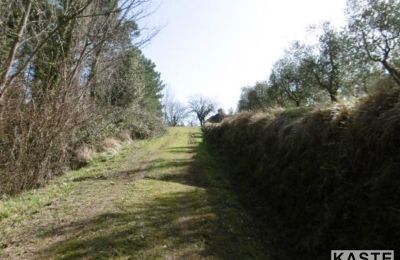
x: 322, y: 179
x: 71, y: 76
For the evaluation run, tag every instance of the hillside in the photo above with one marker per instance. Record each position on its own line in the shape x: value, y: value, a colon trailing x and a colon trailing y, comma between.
x: 318, y: 178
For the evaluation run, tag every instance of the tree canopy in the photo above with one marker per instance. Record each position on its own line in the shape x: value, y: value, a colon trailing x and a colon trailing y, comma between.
x: 341, y: 64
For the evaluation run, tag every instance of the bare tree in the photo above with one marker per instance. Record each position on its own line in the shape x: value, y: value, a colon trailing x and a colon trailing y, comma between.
x: 177, y: 112
x: 202, y: 107
x: 174, y: 111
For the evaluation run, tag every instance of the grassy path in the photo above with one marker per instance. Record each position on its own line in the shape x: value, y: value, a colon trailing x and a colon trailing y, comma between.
x: 157, y: 199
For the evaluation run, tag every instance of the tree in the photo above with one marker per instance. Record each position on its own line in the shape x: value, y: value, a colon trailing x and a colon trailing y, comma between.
x: 174, y: 111
x: 55, y: 57
x: 153, y: 86
x: 374, y: 27
x: 202, y: 107
x: 132, y: 81
x: 291, y: 80
x: 286, y: 76
x: 254, y: 98
x: 361, y: 73
x: 123, y: 84
x: 177, y: 113
x: 328, y: 65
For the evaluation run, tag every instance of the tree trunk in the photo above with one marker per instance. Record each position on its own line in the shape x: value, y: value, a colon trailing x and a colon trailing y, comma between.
x: 333, y: 97
x: 393, y: 72
x: 11, y: 56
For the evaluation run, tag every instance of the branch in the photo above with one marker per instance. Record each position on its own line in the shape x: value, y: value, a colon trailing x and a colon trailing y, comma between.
x: 10, y: 60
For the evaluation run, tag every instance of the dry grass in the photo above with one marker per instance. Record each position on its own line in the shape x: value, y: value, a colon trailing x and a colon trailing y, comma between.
x: 109, y: 145
x: 320, y: 179
x: 85, y: 153
x: 82, y: 156
x: 125, y: 136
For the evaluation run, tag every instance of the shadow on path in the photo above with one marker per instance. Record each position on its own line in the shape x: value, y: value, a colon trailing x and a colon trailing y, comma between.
x: 192, y: 216
x: 152, y: 229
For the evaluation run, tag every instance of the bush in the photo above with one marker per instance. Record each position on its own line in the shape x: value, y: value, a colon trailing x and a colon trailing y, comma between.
x: 34, y: 140
x: 319, y: 180
x: 39, y: 143
x: 143, y: 124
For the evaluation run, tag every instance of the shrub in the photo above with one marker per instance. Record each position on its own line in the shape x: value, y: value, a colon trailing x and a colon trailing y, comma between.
x: 34, y: 140
x: 143, y: 124
x: 39, y: 143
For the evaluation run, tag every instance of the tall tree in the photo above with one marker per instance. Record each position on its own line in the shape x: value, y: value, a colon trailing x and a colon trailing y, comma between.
x: 153, y: 86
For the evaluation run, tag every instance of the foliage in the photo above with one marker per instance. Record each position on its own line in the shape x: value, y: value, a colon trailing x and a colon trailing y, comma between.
x: 342, y: 64
x: 328, y: 67
x: 71, y: 72
x: 291, y: 77
x: 262, y: 97
x: 374, y: 29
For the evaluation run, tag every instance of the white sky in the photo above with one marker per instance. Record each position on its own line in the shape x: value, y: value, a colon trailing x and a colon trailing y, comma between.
x: 215, y: 47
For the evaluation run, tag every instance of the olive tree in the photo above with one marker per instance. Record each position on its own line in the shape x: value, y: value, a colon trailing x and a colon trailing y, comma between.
x: 328, y: 63
x: 374, y: 27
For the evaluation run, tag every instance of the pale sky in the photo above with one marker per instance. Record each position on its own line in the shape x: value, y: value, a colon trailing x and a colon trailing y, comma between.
x: 215, y: 47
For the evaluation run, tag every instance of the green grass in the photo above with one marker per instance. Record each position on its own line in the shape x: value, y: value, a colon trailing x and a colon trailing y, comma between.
x: 160, y: 198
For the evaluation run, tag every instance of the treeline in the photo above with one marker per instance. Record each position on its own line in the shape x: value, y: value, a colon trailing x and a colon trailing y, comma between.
x: 177, y: 113
x: 342, y: 64
x: 71, y: 74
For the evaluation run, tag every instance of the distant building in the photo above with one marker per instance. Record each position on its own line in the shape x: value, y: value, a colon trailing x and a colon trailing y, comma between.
x: 217, y: 117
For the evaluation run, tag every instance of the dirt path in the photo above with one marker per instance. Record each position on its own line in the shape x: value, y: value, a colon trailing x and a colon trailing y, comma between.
x: 157, y: 199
